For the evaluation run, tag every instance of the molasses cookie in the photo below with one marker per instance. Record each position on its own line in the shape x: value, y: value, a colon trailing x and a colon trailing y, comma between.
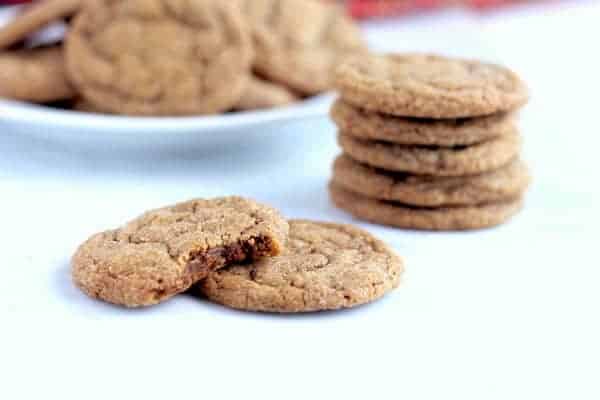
x: 434, y: 160
x: 370, y: 125
x: 160, y: 57
x: 324, y: 267
x: 36, y: 75
x: 429, y: 86
x: 506, y: 182
x: 36, y: 17
x: 411, y: 217
x: 263, y: 94
x: 299, y: 43
x: 165, y: 251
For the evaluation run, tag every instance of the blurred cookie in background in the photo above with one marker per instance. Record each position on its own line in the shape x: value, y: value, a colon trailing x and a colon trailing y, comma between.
x: 299, y: 43
x: 260, y: 94
x: 36, y: 75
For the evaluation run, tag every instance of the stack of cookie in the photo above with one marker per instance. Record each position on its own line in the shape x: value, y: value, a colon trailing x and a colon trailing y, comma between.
x: 175, y: 57
x: 238, y: 253
x: 429, y: 142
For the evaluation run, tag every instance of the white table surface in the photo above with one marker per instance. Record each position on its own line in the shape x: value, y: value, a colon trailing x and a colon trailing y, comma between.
x: 511, y: 312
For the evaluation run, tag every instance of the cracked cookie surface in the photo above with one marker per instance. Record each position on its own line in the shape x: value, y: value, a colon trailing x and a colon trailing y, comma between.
x: 159, y: 57
x: 299, y: 43
x: 325, y: 266
x: 434, y: 160
x: 165, y: 251
x: 370, y: 125
x: 36, y: 75
x: 506, y: 182
x: 429, y: 86
x: 436, y: 219
x: 35, y: 17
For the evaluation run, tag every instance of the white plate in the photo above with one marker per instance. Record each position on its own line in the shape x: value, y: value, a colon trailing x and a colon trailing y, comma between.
x: 77, y: 127
x: 95, y: 129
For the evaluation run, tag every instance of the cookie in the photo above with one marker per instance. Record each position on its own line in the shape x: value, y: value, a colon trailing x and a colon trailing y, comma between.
x: 437, y: 219
x: 429, y: 191
x: 34, y: 18
x: 429, y: 86
x: 434, y: 160
x: 36, y: 75
x: 82, y: 105
x: 324, y: 267
x: 165, y: 251
x: 299, y: 43
x: 159, y: 57
x: 364, y: 124
x: 263, y: 94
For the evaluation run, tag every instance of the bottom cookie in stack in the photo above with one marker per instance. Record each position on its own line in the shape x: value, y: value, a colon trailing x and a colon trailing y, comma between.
x: 428, y: 202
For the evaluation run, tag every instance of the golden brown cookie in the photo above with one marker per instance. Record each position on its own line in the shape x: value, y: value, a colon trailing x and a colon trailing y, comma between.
x: 324, y: 267
x: 299, y: 43
x: 364, y: 124
x: 35, y: 17
x: 263, y: 94
x: 434, y: 160
x: 436, y: 219
x: 160, y: 57
x: 165, y: 251
x: 429, y: 86
x: 36, y: 75
x: 507, y: 182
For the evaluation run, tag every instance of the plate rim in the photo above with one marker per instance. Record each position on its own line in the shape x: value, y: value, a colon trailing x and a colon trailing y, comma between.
x: 29, y: 113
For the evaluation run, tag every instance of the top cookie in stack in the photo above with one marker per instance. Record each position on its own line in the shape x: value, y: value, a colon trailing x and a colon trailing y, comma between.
x: 430, y: 142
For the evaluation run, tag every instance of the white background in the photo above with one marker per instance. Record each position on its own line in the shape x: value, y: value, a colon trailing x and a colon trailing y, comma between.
x: 511, y: 312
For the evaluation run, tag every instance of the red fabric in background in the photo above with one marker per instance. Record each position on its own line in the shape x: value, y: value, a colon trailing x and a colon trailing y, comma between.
x: 379, y: 8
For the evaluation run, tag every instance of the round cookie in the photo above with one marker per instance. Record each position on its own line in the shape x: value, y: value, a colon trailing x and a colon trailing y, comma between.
x: 429, y: 86
x: 504, y: 183
x: 34, y: 18
x: 436, y: 219
x: 263, y: 94
x: 299, y: 43
x: 370, y: 125
x: 324, y: 267
x: 432, y: 160
x: 36, y: 75
x: 159, y: 57
x: 165, y: 251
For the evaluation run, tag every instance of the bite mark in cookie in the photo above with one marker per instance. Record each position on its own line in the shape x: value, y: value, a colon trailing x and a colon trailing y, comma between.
x: 167, y: 250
